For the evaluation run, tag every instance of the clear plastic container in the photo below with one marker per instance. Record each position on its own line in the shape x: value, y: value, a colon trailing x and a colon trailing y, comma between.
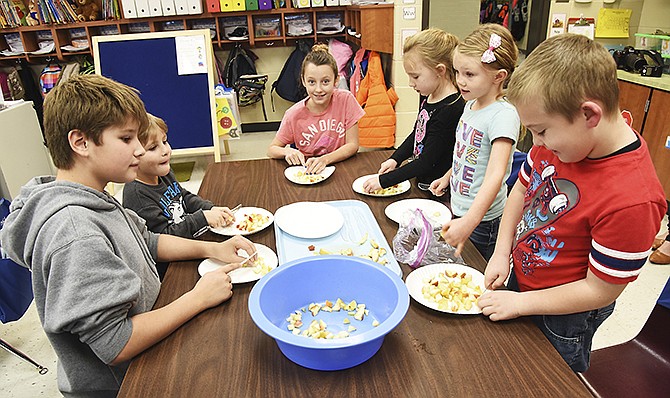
x: 645, y: 41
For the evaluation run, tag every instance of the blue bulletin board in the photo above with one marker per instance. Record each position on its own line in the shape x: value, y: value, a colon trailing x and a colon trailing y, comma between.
x: 174, y: 74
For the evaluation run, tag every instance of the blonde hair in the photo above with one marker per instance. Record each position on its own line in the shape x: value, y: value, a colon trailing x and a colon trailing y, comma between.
x: 563, y: 72
x: 477, y: 43
x: 156, y: 125
x: 319, y: 56
x: 91, y: 104
x: 434, y: 47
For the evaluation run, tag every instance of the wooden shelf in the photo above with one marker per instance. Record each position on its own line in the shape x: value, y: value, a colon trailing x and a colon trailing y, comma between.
x: 374, y: 23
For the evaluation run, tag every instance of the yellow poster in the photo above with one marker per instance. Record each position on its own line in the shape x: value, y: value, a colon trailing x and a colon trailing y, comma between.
x: 613, y: 23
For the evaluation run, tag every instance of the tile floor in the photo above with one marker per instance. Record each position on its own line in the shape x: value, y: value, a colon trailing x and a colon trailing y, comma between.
x: 22, y: 380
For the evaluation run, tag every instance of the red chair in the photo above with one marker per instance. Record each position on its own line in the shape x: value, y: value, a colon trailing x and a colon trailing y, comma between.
x: 639, y: 367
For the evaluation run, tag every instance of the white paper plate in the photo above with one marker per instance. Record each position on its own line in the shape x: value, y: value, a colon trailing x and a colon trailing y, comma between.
x: 437, y: 213
x: 244, y: 274
x: 414, y: 282
x: 239, y: 216
x: 309, y: 220
x: 358, y: 187
x: 292, y: 174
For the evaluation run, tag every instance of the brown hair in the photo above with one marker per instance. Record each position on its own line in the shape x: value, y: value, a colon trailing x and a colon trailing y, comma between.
x: 434, y: 46
x: 477, y: 43
x: 156, y: 125
x: 319, y: 56
x: 563, y: 72
x: 91, y: 104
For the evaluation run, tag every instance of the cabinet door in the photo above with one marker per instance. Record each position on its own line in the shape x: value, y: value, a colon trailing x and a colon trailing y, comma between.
x: 656, y: 133
x: 633, y: 98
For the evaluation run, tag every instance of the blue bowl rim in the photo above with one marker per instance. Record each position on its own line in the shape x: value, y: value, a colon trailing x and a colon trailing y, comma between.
x: 287, y: 337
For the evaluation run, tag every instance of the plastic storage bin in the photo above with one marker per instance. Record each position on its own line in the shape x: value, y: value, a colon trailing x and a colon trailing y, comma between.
x: 645, y: 41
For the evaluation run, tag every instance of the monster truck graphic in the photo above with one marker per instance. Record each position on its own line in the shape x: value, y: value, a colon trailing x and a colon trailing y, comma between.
x: 550, y: 199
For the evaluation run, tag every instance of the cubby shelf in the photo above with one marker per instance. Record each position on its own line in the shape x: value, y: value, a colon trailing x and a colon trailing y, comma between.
x: 374, y: 23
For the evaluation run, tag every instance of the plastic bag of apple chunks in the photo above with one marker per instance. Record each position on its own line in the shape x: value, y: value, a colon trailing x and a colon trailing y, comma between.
x: 418, y: 243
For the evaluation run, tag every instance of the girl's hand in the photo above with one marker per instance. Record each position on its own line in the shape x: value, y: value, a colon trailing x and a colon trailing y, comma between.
x: 500, y: 305
x: 217, y: 217
x: 227, y: 214
x: 294, y: 157
x: 227, y: 251
x: 215, y: 287
x: 497, y: 270
x: 456, y: 232
x: 387, y: 166
x: 315, y: 165
x: 439, y: 186
x: 371, y: 184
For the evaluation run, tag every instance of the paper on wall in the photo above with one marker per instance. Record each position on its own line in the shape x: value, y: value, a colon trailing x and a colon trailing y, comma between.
x: 191, y: 55
x: 613, y: 22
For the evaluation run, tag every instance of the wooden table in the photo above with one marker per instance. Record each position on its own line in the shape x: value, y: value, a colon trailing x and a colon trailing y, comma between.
x: 222, y: 353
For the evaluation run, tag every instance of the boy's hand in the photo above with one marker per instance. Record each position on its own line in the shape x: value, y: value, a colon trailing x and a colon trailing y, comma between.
x: 439, y: 186
x: 215, y: 287
x: 371, y: 184
x: 315, y: 165
x: 456, y: 232
x: 294, y: 157
x: 387, y: 166
x: 227, y: 251
x: 500, y: 305
x: 217, y: 217
x: 497, y: 270
x: 228, y: 214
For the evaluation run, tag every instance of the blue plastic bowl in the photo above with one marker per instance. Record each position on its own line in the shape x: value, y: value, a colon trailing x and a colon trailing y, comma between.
x: 313, y: 280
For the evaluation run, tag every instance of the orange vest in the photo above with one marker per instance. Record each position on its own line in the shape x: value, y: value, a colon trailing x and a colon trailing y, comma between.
x: 377, y: 128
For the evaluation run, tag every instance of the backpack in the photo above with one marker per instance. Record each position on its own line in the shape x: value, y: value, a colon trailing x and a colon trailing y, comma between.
x: 250, y: 89
x: 288, y: 85
x: 240, y: 74
x: 240, y: 62
x: 49, y: 78
x: 494, y: 11
x: 519, y: 15
x: 12, y: 86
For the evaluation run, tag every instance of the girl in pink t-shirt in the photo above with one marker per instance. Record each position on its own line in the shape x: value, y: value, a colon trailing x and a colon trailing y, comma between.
x: 323, y: 128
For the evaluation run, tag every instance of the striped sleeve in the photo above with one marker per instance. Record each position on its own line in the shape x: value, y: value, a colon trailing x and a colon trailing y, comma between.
x: 621, y: 242
x: 526, y: 167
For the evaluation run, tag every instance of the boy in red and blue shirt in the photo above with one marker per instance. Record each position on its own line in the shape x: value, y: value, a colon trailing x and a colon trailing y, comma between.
x: 581, y: 219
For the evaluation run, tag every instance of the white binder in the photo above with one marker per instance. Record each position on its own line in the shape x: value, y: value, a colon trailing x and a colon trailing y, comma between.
x: 129, y: 9
x: 142, y: 8
x: 168, y: 7
x: 155, y: 8
x: 330, y: 3
x: 194, y: 6
x: 181, y: 7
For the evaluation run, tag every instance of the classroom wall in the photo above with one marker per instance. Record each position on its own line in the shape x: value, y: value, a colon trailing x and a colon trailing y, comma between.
x: 655, y: 15
x: 647, y: 16
x: 458, y: 17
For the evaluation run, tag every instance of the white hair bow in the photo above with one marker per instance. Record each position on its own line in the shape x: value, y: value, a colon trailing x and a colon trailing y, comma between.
x: 494, y: 42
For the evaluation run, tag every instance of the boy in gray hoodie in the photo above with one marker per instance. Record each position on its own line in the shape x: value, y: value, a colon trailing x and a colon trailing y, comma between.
x: 92, y: 262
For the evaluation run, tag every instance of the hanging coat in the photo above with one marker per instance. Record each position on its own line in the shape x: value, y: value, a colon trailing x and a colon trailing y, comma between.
x: 377, y: 128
